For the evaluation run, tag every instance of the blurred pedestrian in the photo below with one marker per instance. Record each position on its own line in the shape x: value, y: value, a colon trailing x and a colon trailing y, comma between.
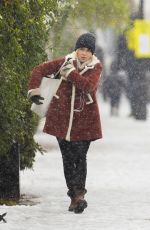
x: 114, y: 85
x: 73, y: 116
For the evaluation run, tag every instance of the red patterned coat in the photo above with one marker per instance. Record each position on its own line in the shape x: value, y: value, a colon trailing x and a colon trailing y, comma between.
x: 74, y: 114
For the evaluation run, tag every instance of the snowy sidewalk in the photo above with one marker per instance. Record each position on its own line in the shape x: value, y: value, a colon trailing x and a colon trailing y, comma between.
x: 118, y: 183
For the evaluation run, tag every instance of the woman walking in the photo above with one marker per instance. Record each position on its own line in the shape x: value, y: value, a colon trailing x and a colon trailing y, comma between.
x: 73, y: 114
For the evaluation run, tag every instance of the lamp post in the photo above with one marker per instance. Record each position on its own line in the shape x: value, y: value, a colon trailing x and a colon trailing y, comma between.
x: 141, y: 9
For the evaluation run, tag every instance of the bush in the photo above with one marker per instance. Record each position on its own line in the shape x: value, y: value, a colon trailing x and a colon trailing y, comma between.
x: 24, y: 27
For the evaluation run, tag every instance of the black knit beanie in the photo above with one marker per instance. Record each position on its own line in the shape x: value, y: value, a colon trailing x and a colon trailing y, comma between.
x: 86, y: 40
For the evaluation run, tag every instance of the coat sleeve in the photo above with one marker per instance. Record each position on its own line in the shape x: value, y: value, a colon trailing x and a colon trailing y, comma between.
x: 41, y: 71
x: 89, y: 82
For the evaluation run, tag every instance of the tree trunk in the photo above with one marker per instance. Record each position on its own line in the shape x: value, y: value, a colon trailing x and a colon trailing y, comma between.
x: 9, y: 174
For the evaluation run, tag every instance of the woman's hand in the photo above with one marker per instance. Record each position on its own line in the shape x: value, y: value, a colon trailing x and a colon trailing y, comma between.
x: 67, y: 68
x: 36, y: 99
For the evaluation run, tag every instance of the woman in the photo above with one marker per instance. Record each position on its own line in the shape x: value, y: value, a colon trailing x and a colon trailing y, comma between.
x: 73, y: 115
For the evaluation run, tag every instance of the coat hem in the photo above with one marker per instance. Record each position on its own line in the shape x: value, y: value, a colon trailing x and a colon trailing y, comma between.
x: 74, y: 139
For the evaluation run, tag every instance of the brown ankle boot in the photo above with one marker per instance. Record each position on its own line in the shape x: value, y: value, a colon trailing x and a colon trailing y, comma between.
x: 80, y: 203
x: 77, y: 205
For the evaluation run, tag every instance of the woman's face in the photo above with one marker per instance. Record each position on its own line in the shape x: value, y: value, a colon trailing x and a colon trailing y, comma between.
x: 84, y: 54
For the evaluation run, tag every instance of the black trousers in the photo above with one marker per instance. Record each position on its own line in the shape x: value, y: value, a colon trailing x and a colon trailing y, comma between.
x: 74, y: 163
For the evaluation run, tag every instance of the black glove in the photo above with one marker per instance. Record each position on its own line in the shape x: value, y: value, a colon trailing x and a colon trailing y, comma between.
x: 36, y: 99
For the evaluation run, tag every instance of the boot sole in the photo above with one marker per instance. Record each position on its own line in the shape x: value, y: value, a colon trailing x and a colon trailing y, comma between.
x: 81, y: 205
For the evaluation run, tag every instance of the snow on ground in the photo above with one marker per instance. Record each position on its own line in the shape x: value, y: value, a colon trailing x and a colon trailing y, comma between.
x: 118, y: 182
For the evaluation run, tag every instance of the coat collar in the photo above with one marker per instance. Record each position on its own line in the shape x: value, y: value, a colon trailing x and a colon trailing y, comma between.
x: 89, y: 65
